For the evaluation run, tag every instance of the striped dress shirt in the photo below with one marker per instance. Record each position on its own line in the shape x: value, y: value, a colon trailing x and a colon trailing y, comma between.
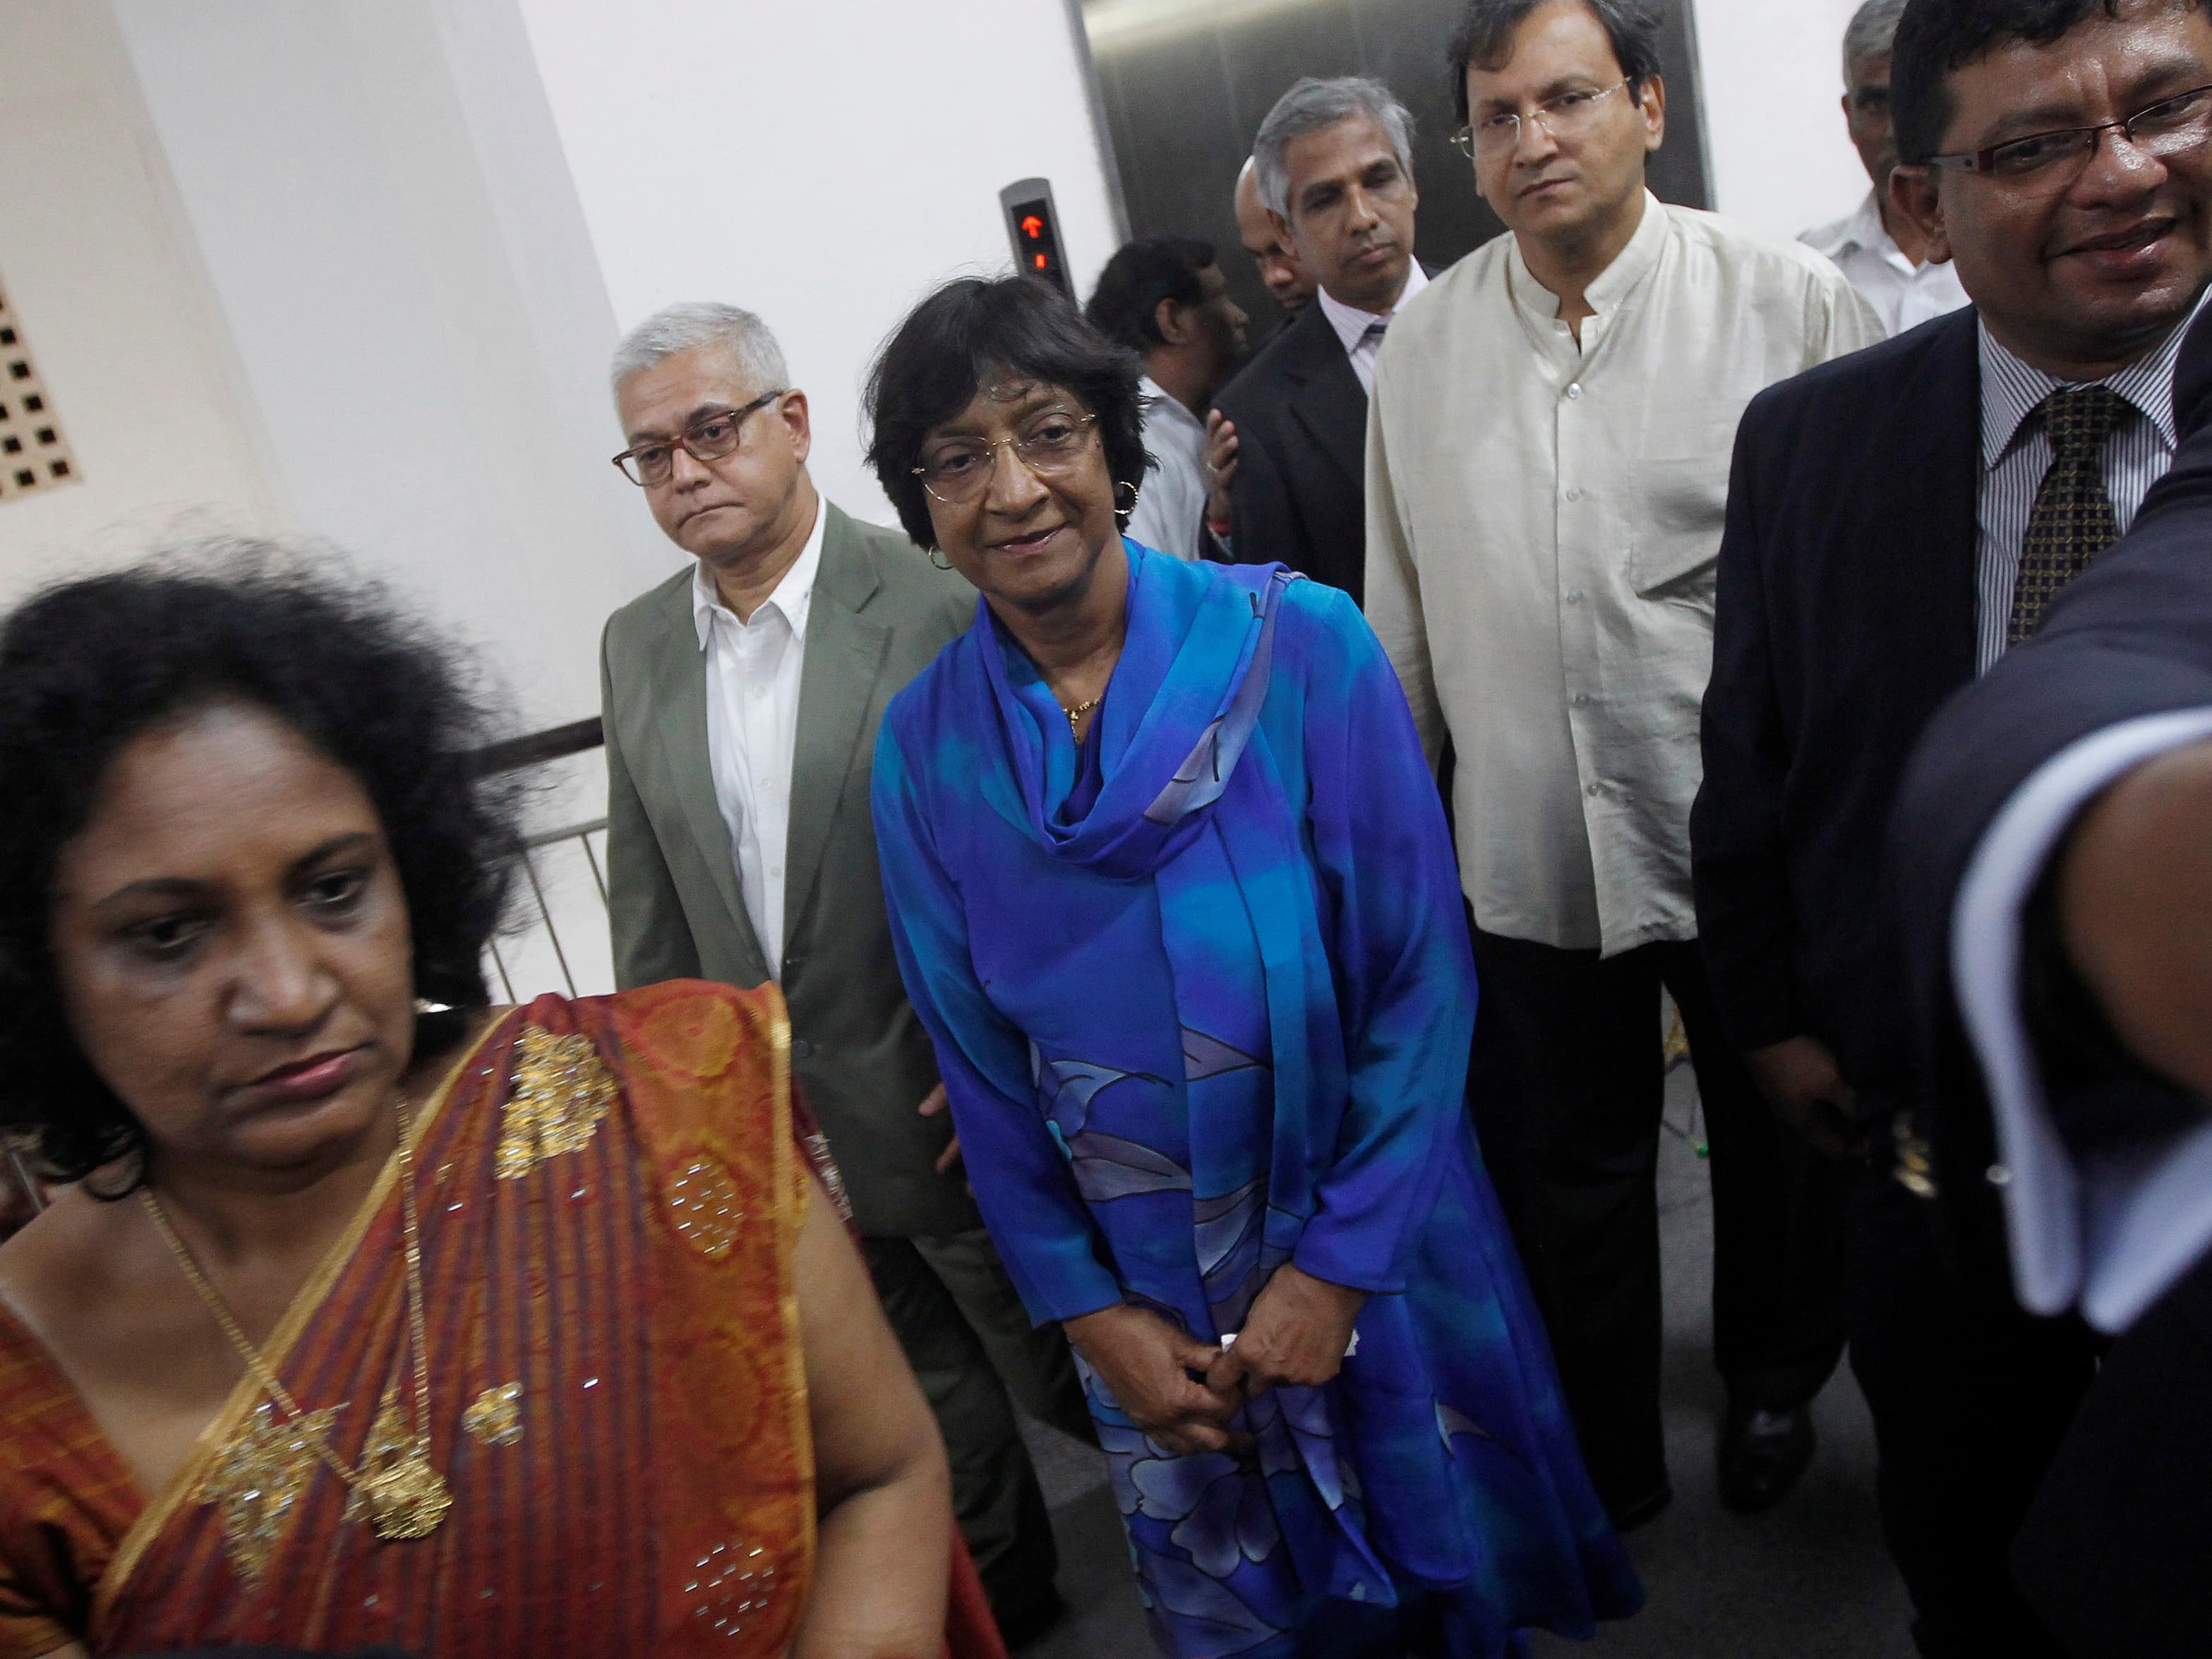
x: 2016, y: 454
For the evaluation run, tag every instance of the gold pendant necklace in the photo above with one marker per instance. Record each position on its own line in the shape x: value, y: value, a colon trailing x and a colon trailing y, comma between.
x: 405, y: 1496
x: 1078, y: 711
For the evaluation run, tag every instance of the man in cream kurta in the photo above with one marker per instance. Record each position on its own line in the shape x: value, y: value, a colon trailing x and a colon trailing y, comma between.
x: 1543, y: 519
x: 1546, y: 493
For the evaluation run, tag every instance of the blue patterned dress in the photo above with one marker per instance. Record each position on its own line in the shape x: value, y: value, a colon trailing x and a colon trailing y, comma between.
x: 1201, y: 993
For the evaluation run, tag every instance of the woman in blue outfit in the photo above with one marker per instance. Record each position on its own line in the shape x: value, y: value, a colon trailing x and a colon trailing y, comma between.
x: 1173, y: 892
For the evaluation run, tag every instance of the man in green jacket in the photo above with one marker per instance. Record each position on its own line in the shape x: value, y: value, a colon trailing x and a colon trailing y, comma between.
x: 741, y: 698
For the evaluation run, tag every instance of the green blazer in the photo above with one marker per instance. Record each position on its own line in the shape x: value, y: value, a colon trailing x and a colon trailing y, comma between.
x: 880, y: 612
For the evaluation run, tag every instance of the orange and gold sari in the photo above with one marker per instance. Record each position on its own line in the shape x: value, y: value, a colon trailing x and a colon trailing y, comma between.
x: 610, y: 1193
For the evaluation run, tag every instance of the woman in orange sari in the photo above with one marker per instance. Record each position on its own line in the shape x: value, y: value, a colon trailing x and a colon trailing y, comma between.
x: 375, y: 1316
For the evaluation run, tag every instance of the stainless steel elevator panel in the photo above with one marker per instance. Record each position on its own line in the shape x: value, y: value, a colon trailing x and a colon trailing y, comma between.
x: 1185, y: 83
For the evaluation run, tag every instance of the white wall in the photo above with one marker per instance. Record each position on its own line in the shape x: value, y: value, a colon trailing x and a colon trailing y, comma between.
x: 1772, y: 79
x: 378, y: 197
x: 103, y: 274
x: 822, y: 162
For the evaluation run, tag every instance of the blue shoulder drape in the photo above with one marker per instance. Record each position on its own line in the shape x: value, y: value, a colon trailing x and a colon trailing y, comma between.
x: 1202, y: 998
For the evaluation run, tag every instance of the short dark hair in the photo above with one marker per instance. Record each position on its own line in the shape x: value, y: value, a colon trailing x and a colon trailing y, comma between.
x: 1485, y: 32
x: 1125, y: 306
x: 1936, y: 39
x: 88, y: 666
x: 972, y: 331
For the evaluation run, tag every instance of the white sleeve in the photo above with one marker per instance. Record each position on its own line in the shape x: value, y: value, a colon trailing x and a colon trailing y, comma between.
x: 2111, y: 1232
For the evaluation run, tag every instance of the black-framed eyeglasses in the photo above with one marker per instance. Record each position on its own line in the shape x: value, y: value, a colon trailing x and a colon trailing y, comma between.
x: 960, y: 471
x: 2164, y: 131
x: 709, y: 438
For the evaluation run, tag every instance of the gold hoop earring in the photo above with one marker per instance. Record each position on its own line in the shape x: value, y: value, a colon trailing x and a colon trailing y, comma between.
x: 1136, y: 495
x: 930, y: 553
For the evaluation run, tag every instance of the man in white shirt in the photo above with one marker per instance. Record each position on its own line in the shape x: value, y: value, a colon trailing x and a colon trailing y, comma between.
x: 1334, y: 161
x: 1547, y: 469
x: 740, y: 700
x: 1878, y: 247
x: 1165, y: 298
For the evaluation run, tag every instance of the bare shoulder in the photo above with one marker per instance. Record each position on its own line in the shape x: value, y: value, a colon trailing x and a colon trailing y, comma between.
x: 60, y: 1273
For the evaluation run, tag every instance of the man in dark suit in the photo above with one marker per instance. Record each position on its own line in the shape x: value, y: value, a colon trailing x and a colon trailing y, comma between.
x: 1335, y: 169
x: 1895, y: 521
x: 2054, y: 854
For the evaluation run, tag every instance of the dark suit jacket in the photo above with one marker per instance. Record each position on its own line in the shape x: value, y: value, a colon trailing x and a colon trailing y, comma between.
x: 2113, y: 1554
x: 1845, y: 617
x: 880, y: 612
x: 1301, y: 490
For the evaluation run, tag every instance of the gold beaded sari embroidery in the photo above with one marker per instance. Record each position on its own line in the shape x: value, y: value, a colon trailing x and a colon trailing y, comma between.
x: 611, y: 1191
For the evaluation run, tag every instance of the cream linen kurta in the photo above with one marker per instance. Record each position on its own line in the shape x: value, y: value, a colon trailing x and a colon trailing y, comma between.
x: 1542, y: 525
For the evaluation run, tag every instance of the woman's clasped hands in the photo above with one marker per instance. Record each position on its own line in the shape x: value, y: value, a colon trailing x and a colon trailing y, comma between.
x: 1185, y: 1393
x: 1151, y: 1370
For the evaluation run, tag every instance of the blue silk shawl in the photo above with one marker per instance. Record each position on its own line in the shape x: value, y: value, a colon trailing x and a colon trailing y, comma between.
x: 1202, y: 997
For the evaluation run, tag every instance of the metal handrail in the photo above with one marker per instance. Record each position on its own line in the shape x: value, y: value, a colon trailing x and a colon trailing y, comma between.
x: 557, y: 743
x: 580, y: 834
x: 520, y: 754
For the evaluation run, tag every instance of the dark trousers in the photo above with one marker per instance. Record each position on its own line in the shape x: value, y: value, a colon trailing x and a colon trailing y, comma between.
x: 1970, y: 1398
x: 974, y: 1352
x: 1569, y: 1090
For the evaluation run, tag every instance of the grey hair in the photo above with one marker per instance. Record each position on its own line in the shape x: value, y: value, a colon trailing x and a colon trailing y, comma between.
x: 1313, y: 106
x: 1871, y: 33
x: 691, y: 324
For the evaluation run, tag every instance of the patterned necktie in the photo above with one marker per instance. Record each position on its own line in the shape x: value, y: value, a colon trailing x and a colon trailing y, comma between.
x: 2073, y: 521
x: 1375, y: 332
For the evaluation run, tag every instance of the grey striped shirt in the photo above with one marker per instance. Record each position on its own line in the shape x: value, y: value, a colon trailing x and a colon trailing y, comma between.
x: 2016, y: 454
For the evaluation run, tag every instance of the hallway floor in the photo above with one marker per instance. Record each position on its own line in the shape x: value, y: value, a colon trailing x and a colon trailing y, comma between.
x: 1809, y: 1580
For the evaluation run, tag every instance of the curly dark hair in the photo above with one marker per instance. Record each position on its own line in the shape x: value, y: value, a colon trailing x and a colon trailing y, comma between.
x: 971, y: 332
x: 88, y: 666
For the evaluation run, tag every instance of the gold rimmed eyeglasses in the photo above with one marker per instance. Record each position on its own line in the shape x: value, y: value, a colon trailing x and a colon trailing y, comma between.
x: 1565, y: 117
x: 959, y: 471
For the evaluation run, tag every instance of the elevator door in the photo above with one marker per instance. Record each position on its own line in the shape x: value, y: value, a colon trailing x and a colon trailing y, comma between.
x: 1185, y: 84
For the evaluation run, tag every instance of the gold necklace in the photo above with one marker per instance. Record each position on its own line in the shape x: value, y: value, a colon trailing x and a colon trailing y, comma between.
x: 1079, y: 711
x: 406, y: 1497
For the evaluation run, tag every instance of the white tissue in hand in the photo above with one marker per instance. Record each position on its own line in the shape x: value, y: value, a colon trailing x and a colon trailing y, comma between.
x: 1351, y: 1348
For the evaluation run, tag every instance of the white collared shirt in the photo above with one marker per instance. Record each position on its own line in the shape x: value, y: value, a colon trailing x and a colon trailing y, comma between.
x: 1356, y: 328
x: 2016, y: 454
x: 1903, y: 295
x: 752, y: 672
x: 1543, y: 520
x: 1170, y: 510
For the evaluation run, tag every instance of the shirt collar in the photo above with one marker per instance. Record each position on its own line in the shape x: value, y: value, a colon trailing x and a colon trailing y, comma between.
x: 1863, y: 229
x: 1352, y: 324
x: 2013, y: 389
x: 1159, y: 401
x: 1614, y: 284
x: 1637, y: 261
x: 791, y: 600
